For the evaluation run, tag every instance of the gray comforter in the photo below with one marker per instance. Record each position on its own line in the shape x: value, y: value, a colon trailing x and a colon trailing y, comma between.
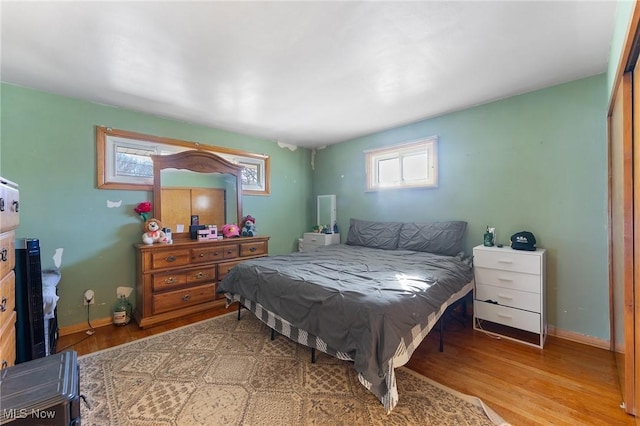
x: 359, y: 300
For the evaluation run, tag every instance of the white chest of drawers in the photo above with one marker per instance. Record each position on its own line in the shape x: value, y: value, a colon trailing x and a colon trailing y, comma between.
x: 510, y: 288
x: 313, y: 240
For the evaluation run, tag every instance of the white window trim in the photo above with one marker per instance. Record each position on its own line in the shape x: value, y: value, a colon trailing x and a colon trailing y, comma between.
x: 374, y: 156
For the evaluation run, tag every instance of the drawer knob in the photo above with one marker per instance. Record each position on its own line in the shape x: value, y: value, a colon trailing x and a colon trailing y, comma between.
x: 201, y: 275
x: 3, y: 254
x: 4, y: 364
x: 186, y: 297
x: 170, y: 258
x: 3, y: 304
x: 252, y: 249
x: 170, y: 280
x: 201, y: 255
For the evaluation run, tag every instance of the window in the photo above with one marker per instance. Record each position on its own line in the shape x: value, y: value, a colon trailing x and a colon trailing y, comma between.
x: 408, y: 165
x: 124, y: 160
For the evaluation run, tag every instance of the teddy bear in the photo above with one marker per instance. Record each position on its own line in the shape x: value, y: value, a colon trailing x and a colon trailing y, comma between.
x: 230, y: 231
x: 153, y: 232
x: 248, y: 226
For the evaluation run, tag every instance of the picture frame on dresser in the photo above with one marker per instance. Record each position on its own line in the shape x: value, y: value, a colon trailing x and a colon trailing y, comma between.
x: 510, y: 294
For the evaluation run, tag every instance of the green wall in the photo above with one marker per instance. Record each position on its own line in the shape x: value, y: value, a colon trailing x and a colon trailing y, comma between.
x: 533, y: 162
x: 48, y: 147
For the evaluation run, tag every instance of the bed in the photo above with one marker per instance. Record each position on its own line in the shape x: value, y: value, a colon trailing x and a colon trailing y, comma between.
x: 371, y: 300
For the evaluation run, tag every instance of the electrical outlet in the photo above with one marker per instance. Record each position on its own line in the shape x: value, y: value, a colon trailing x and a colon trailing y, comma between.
x: 89, y: 297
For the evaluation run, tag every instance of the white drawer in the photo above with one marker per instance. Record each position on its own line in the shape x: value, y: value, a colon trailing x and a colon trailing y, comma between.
x: 524, y: 320
x: 508, y: 297
x: 508, y: 279
x: 508, y: 259
x: 315, y: 239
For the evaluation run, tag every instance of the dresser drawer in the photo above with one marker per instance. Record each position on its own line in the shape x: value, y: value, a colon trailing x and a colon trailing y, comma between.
x: 9, y: 205
x: 207, y: 254
x: 523, y: 320
x: 318, y: 239
x: 7, y: 298
x: 8, y: 343
x: 7, y: 252
x: 507, y: 259
x: 508, y: 297
x: 230, y: 252
x: 224, y: 268
x: 508, y: 279
x: 253, y: 249
x: 170, y: 301
x: 170, y: 259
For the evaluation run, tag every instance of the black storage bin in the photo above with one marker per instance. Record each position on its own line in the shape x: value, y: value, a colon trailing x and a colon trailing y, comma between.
x: 41, y: 392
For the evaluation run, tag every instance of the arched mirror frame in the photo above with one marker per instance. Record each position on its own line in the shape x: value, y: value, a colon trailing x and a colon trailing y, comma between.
x: 196, y: 161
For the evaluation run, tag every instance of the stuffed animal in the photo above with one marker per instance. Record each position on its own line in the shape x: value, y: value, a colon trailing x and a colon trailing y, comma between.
x: 230, y: 231
x: 153, y: 232
x: 248, y: 226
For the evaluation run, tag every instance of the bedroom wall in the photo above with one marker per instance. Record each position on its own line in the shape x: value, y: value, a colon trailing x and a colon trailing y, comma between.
x: 48, y: 148
x: 533, y: 162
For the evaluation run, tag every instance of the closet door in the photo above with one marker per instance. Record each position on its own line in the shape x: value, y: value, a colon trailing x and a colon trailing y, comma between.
x: 621, y: 238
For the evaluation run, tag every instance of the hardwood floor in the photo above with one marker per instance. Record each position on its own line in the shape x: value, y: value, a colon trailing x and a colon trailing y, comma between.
x: 567, y: 383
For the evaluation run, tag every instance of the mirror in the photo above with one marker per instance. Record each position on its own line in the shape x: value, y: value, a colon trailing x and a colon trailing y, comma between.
x: 196, y: 182
x: 326, y: 210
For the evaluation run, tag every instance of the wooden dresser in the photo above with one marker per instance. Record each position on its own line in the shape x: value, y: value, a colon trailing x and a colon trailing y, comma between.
x: 9, y: 220
x: 179, y: 279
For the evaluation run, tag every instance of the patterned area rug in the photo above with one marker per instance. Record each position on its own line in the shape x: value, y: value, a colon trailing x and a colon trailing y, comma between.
x: 228, y: 372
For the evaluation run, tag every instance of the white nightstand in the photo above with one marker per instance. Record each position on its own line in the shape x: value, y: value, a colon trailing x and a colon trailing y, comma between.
x: 510, y: 291
x: 313, y: 240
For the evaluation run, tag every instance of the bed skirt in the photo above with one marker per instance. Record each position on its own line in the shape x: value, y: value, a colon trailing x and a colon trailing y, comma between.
x: 402, y: 355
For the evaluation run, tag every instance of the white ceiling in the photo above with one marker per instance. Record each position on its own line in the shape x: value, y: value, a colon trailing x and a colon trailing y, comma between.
x: 304, y: 73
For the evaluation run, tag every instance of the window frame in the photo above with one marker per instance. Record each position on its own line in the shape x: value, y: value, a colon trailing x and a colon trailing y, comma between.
x: 373, y: 157
x: 107, y: 139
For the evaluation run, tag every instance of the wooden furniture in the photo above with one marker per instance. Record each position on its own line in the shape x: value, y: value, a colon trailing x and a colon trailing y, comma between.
x: 179, y: 279
x: 173, y: 280
x: 510, y: 291
x: 313, y: 240
x: 9, y: 220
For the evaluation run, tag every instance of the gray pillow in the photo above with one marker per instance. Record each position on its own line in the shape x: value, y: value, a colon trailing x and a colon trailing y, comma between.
x: 438, y: 237
x: 382, y: 235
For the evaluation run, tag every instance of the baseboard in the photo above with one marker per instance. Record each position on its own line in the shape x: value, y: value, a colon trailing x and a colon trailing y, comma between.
x: 551, y: 330
x: 77, y: 328
x: 579, y: 338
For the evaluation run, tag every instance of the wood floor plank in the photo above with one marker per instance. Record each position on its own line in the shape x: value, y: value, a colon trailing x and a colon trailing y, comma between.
x: 566, y: 383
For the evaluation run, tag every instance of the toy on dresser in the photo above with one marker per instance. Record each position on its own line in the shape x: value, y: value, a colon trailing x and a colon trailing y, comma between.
x: 249, y: 226
x: 230, y: 231
x: 153, y: 232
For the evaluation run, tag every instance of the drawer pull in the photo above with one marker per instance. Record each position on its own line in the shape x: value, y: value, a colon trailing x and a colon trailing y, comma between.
x: 229, y: 251
x: 216, y: 253
x: 170, y: 280
x: 1, y: 204
x: 186, y: 297
x: 252, y: 249
x: 16, y: 206
x: 170, y: 258
x: 3, y: 255
x: 4, y: 364
x: 503, y: 296
x: 504, y: 316
x: 200, y: 275
x: 201, y: 255
x: 505, y: 261
x: 3, y: 305
x: 505, y: 279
